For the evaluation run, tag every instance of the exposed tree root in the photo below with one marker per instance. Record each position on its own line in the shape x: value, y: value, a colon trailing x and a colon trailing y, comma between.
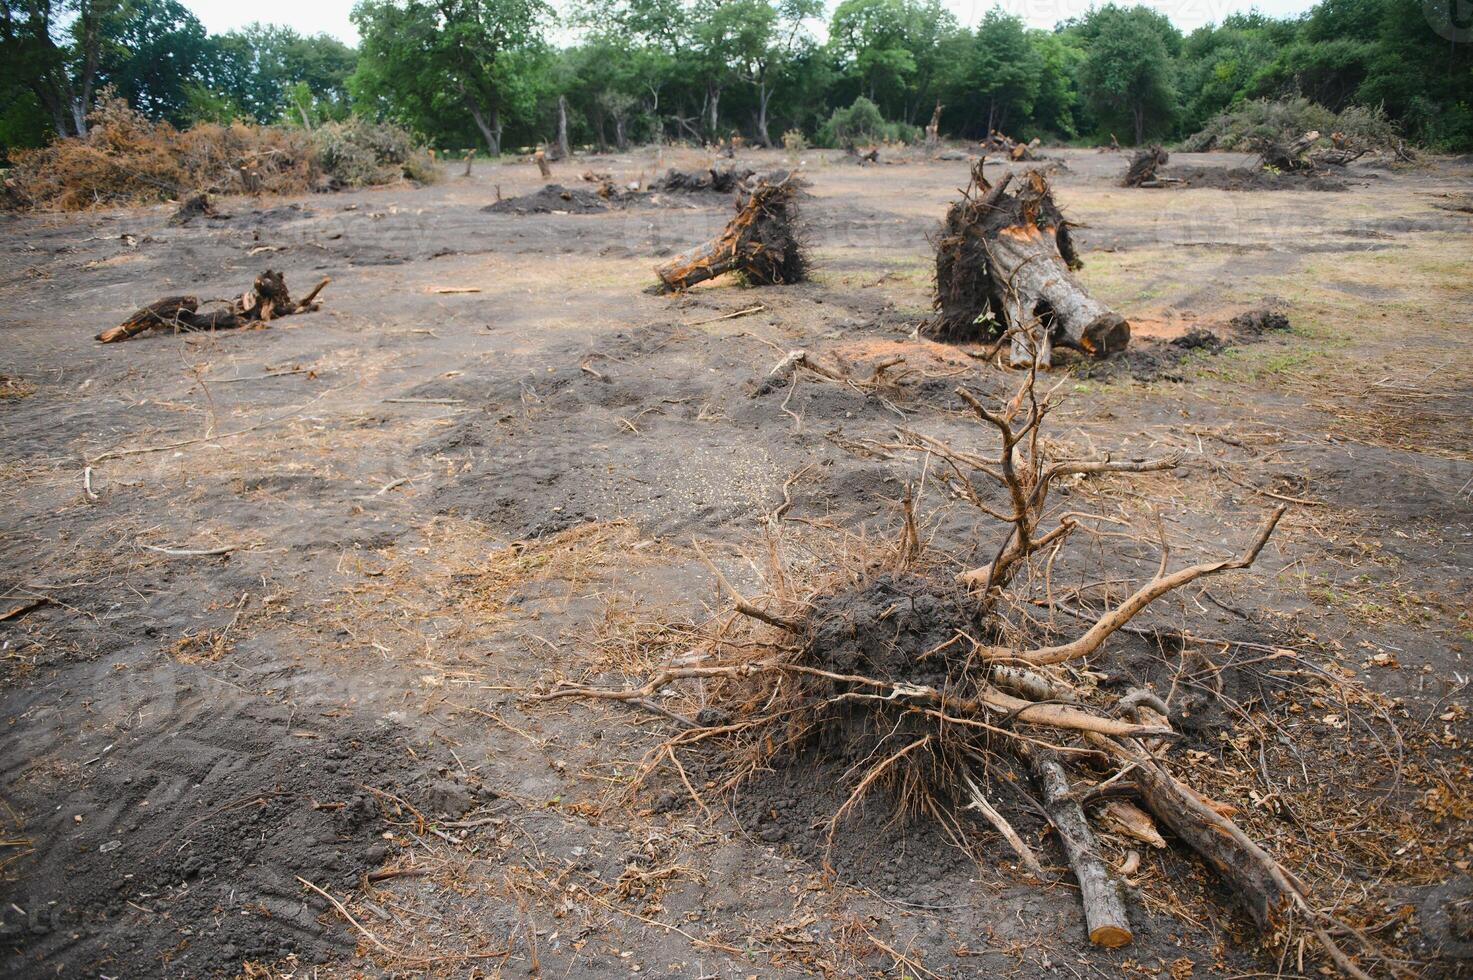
x: 267, y: 300
x: 929, y: 681
x: 1003, y: 269
x: 761, y: 243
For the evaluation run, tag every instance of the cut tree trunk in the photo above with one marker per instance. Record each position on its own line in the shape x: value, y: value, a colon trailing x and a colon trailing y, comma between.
x: 1003, y: 269
x: 1143, y: 167
x: 172, y: 312
x: 1254, y: 876
x: 761, y: 243
x: 1104, y: 912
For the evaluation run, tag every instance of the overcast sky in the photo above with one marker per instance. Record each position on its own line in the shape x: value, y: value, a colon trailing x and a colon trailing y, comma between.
x: 331, y: 16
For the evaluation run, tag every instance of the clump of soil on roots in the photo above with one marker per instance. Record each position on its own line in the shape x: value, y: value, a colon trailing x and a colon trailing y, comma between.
x: 902, y: 628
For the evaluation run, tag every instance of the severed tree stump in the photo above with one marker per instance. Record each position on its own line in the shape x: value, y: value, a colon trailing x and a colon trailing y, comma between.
x: 761, y: 243
x: 1143, y: 167
x: 1003, y: 269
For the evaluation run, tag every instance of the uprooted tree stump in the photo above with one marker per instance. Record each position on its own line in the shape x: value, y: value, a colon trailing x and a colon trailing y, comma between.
x: 1003, y: 270
x: 1143, y: 167
x: 943, y: 688
x: 761, y: 243
x: 266, y: 300
x: 1288, y: 156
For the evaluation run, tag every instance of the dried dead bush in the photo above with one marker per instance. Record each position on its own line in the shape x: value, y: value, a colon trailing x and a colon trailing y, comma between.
x: 128, y: 159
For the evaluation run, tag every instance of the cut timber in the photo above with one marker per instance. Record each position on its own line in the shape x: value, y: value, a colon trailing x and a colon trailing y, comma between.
x: 1003, y: 266
x: 1104, y: 912
x: 761, y: 243
x: 267, y: 299
x: 1143, y: 166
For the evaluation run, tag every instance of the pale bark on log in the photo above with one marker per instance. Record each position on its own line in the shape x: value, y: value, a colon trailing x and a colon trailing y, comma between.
x: 1104, y: 911
x: 1003, y: 264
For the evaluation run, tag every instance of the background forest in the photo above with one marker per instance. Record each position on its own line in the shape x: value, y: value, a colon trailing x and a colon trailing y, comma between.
x: 491, y: 73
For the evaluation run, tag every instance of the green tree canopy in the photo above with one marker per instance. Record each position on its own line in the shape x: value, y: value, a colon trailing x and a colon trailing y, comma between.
x: 432, y: 66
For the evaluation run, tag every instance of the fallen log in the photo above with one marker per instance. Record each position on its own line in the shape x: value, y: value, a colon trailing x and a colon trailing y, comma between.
x: 1104, y: 912
x: 266, y: 300
x: 1003, y: 268
x: 1143, y: 166
x: 761, y: 242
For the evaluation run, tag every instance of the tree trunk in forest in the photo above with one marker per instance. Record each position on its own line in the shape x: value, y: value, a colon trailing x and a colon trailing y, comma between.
x: 490, y: 128
x: 562, y: 127
x: 764, y: 95
x: 713, y: 107
x: 1140, y: 123
x: 1003, y: 269
x: 621, y: 141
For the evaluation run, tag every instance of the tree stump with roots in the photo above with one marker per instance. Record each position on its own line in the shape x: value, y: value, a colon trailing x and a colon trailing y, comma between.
x: 1004, y: 266
x: 762, y: 242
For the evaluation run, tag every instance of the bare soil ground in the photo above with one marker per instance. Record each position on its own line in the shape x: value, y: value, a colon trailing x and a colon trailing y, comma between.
x: 437, y: 504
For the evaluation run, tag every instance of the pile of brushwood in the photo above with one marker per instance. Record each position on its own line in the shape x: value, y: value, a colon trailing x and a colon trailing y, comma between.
x: 762, y: 243
x: 1003, y: 272
x: 267, y: 299
x: 127, y: 158
x: 948, y: 698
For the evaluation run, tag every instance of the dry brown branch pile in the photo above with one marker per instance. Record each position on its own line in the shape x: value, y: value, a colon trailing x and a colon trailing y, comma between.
x: 936, y: 689
x: 128, y: 159
x: 266, y: 300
